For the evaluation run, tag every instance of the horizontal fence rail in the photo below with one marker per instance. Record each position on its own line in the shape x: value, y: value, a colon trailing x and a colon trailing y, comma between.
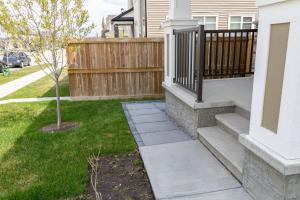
x: 212, y: 54
x: 116, y: 68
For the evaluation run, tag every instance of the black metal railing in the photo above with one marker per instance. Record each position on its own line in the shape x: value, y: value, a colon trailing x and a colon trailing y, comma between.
x: 212, y: 54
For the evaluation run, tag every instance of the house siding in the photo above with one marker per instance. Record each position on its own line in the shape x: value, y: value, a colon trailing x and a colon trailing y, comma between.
x: 158, y: 10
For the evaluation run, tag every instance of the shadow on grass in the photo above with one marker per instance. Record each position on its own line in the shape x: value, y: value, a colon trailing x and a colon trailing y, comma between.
x: 54, y: 166
x: 64, y: 89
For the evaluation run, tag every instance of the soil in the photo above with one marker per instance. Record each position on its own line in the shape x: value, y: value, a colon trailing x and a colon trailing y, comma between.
x: 64, y: 127
x: 121, y: 178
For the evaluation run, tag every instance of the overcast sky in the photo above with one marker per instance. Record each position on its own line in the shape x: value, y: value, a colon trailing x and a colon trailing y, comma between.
x: 100, y: 8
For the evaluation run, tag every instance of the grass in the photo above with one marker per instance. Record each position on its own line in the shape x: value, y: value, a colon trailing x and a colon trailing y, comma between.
x: 44, y: 87
x: 18, y: 74
x: 36, y: 165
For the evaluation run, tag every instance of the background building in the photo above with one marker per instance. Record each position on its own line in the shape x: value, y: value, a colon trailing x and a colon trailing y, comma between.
x: 214, y: 14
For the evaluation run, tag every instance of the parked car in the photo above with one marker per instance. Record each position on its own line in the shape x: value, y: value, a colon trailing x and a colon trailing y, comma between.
x: 1, y: 66
x: 16, y: 59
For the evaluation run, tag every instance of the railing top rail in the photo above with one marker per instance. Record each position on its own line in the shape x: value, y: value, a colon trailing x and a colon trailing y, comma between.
x: 192, y: 29
x: 230, y: 30
x: 196, y: 29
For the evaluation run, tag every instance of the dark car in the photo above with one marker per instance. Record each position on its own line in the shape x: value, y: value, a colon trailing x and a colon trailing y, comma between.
x: 16, y: 59
x: 1, y: 66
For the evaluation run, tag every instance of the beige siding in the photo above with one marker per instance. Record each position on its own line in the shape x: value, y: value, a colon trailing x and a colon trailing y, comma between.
x: 158, y: 10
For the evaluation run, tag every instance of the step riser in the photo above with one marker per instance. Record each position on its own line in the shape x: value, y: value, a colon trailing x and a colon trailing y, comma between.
x: 244, y: 113
x: 222, y: 159
x: 227, y: 129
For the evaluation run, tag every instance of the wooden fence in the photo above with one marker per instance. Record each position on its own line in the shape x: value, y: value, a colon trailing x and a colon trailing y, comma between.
x: 116, y: 68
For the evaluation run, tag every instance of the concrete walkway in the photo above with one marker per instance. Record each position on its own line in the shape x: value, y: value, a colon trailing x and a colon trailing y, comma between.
x: 178, y: 166
x: 17, y: 84
x: 24, y: 100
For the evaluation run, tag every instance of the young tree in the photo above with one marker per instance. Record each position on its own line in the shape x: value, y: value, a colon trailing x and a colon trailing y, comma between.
x: 46, y: 26
x: 103, y: 28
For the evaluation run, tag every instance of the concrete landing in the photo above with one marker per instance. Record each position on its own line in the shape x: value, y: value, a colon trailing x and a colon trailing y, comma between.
x: 178, y: 167
x: 234, y: 194
x: 185, y: 169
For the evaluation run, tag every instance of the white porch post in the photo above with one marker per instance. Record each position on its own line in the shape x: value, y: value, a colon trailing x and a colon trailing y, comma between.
x: 180, y: 16
x: 274, y: 140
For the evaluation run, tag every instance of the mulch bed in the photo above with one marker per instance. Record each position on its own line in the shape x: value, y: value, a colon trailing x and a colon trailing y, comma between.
x: 52, y: 128
x: 121, y: 178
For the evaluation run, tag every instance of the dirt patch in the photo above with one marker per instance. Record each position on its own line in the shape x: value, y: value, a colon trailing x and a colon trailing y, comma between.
x: 121, y: 178
x: 52, y: 128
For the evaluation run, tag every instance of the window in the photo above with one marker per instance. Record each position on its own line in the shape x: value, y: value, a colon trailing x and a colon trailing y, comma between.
x: 239, y: 22
x: 210, y: 22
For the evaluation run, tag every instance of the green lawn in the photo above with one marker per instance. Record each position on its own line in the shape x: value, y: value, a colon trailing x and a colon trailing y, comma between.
x: 36, y: 165
x: 44, y: 87
x: 18, y: 74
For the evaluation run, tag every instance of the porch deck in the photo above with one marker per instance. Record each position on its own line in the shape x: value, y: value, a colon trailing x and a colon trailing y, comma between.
x: 219, y: 93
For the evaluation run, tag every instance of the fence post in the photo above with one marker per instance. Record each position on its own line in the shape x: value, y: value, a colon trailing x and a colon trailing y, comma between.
x: 201, y: 67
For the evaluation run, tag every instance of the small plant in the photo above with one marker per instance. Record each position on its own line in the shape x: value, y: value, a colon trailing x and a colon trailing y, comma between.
x: 137, y: 162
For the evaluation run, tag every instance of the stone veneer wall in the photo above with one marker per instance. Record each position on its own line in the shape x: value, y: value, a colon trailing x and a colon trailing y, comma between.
x: 183, y: 114
x: 190, y: 119
x: 263, y: 182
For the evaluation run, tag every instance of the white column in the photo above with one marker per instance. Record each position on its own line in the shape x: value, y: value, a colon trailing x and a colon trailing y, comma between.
x: 280, y: 149
x: 180, y: 9
x: 180, y: 16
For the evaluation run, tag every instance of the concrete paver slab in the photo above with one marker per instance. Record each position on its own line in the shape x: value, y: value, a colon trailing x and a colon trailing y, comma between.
x: 159, y: 117
x: 138, y: 106
x: 184, y: 168
x: 155, y: 127
x: 150, y: 111
x: 164, y: 137
x: 160, y: 105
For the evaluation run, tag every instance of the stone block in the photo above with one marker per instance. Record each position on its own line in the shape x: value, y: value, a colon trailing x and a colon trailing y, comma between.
x: 264, y: 182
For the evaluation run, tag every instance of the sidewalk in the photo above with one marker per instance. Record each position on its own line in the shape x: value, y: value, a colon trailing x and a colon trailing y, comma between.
x: 17, y: 84
x: 24, y: 100
x: 178, y: 166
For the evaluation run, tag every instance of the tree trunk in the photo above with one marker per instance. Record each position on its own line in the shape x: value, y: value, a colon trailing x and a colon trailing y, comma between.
x: 58, y: 106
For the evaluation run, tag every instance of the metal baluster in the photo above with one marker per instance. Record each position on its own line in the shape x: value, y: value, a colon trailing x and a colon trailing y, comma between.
x: 228, y: 53
x: 246, y: 53
x: 210, y: 53
x: 234, y: 52
x: 222, y: 57
x: 240, y: 52
x: 217, y: 53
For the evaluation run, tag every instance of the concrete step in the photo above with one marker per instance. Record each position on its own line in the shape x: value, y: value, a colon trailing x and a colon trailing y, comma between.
x: 225, y: 147
x: 233, y: 123
x: 243, y: 112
